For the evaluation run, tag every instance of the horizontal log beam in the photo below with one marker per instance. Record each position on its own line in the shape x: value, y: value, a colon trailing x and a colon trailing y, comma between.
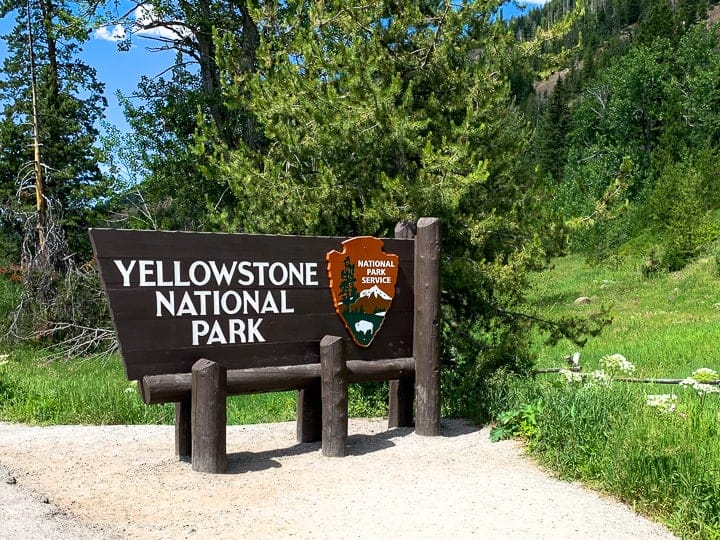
x: 173, y: 388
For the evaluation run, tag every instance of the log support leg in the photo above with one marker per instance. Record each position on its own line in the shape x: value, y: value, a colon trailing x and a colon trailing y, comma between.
x: 183, y: 429
x: 426, y: 329
x: 309, y: 413
x: 400, y: 407
x: 334, y: 397
x: 209, y: 417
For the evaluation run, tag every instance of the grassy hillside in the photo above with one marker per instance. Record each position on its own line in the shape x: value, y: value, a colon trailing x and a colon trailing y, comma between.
x: 657, y: 447
x: 667, y: 325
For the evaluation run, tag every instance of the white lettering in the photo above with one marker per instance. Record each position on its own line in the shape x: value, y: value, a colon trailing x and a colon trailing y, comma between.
x: 160, y: 281
x: 254, y: 334
x: 203, y: 296
x: 216, y: 335
x: 125, y: 271
x: 247, y: 276
x: 269, y: 305
x: 200, y: 282
x: 251, y: 299
x: 164, y: 302
x: 296, y: 273
x: 199, y: 329
x: 272, y: 274
x: 186, y: 306
x: 222, y: 274
x: 177, y: 272
x: 146, y: 272
x: 283, y: 303
x: 384, y: 280
x: 376, y: 264
x: 261, y: 266
x: 311, y: 274
x: 237, y: 330
x: 226, y: 300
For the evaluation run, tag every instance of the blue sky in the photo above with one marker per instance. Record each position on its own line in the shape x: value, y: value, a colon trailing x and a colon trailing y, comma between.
x: 121, y: 71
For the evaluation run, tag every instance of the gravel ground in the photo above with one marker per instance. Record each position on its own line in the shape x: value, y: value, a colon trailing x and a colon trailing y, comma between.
x: 77, y: 482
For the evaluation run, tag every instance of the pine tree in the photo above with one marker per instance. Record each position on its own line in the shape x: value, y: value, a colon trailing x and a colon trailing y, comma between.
x: 348, y: 290
x: 69, y: 102
x: 377, y: 112
x: 166, y: 112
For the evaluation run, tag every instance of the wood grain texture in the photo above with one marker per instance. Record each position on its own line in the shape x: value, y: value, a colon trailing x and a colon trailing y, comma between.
x: 174, y: 387
x: 183, y: 428
x: 334, y: 397
x: 401, y: 392
x: 309, y: 413
x: 426, y: 345
x: 209, y: 417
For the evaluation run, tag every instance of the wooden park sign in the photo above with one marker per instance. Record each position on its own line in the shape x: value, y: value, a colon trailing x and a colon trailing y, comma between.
x: 199, y: 316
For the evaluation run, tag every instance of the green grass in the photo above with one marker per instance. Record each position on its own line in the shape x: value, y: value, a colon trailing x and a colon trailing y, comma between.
x: 95, y: 391
x: 667, y: 326
x: 666, y: 465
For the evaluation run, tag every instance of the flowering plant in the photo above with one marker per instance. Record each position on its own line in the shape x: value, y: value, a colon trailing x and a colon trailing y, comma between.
x: 570, y: 376
x: 663, y: 402
x: 700, y: 381
x: 600, y: 377
x: 617, y: 363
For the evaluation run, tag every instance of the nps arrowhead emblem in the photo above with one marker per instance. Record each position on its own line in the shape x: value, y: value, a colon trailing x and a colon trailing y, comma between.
x: 362, y: 282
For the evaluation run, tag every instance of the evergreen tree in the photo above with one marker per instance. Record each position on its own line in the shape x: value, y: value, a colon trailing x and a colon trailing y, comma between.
x: 348, y: 290
x: 165, y: 112
x: 552, y: 130
x: 69, y: 102
x: 377, y: 112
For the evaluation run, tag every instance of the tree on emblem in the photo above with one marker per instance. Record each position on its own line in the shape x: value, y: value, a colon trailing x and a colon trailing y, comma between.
x: 348, y: 291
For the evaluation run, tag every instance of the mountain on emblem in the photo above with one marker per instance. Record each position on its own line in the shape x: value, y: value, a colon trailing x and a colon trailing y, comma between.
x: 362, y: 282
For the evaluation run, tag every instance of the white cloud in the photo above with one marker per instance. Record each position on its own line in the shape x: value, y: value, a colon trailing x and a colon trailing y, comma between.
x: 105, y: 33
x: 145, y: 16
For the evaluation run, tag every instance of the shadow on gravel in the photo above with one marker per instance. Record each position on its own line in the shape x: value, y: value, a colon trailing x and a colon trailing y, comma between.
x: 457, y: 427
x: 358, y: 445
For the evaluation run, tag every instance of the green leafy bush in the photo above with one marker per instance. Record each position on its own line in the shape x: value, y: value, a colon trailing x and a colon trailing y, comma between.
x: 520, y: 422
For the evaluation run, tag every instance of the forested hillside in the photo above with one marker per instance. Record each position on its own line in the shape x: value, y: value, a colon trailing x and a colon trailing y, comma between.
x: 626, y: 129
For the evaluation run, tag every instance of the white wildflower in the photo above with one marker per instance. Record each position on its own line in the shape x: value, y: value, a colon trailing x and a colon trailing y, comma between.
x: 663, y: 402
x: 705, y: 375
x: 615, y: 363
x: 600, y: 377
x: 4, y: 359
x: 703, y: 389
x: 570, y: 376
x: 700, y: 381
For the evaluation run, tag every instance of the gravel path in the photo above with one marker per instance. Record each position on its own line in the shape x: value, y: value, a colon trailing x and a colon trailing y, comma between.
x: 80, y: 482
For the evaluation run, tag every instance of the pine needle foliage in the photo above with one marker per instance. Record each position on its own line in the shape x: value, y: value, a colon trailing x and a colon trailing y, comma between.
x: 375, y: 112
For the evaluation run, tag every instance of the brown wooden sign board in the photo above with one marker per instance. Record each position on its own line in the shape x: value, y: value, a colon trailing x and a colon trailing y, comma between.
x: 241, y: 300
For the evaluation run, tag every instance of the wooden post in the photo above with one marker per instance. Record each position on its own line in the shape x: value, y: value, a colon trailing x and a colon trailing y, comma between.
x: 209, y: 417
x: 401, y: 392
x: 426, y: 326
x: 183, y: 429
x: 309, y: 413
x: 334, y: 397
x: 402, y: 399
